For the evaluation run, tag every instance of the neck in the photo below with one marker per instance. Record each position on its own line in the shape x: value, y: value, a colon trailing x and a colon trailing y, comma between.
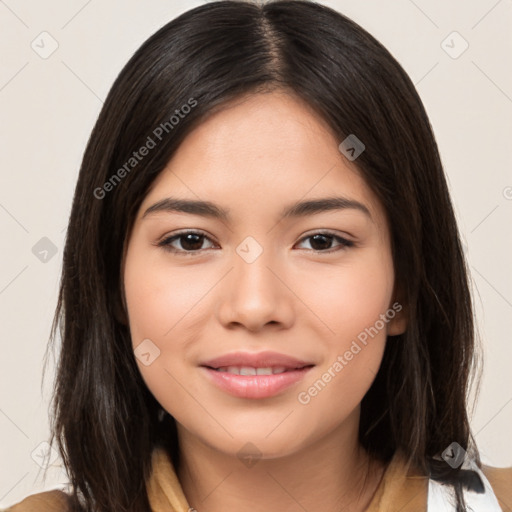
x: 334, y: 473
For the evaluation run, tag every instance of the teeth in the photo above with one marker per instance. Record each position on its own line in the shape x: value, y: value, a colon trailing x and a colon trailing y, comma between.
x: 249, y: 370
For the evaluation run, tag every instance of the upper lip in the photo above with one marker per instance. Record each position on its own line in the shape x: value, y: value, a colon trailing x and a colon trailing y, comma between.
x: 265, y: 359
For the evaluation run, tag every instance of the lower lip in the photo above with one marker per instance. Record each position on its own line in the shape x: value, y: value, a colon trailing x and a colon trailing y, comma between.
x: 255, y: 386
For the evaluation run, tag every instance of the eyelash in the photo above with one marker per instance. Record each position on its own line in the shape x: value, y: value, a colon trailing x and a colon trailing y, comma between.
x: 166, y: 243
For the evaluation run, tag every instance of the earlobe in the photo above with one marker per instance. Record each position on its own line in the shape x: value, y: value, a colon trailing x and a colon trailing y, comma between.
x: 398, y: 324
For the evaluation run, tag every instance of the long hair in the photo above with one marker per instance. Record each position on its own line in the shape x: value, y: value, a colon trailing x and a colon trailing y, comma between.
x: 105, y: 420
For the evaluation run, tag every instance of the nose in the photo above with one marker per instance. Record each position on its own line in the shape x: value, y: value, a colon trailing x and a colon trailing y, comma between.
x: 254, y: 295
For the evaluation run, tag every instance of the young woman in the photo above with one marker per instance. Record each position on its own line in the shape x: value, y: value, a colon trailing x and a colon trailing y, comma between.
x: 264, y: 302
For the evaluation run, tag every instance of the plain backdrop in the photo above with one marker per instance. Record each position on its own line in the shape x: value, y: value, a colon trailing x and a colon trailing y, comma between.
x: 50, y: 101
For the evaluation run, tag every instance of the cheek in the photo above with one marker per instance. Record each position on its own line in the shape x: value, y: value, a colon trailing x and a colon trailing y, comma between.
x: 156, y: 301
x: 161, y: 301
x: 352, y: 303
x: 348, y: 298
x: 167, y: 312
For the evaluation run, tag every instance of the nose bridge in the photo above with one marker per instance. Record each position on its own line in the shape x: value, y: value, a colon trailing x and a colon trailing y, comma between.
x: 253, y: 295
x: 252, y: 273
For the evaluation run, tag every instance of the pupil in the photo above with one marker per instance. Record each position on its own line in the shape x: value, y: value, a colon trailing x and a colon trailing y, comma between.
x: 191, y: 241
x: 316, y: 238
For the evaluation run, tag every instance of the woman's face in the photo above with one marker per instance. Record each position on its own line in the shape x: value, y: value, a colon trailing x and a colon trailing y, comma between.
x: 313, y: 288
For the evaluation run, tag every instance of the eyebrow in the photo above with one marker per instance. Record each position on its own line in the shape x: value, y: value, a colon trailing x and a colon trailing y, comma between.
x: 297, y: 209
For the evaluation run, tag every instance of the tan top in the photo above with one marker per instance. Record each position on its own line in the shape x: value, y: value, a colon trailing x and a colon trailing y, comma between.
x: 401, y: 489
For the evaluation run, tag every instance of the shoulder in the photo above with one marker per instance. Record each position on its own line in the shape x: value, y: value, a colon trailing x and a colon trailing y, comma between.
x: 500, y: 480
x: 47, y: 501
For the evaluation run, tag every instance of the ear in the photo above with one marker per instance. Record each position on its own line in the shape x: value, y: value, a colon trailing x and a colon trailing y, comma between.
x: 398, y: 322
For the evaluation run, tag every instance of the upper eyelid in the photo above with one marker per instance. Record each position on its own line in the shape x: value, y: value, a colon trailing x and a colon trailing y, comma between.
x: 166, y: 238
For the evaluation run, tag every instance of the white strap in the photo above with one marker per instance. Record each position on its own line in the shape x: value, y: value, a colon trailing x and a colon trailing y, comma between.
x: 441, y: 497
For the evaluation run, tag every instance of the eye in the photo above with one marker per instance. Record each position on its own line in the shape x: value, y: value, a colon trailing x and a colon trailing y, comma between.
x: 322, y: 240
x: 191, y: 242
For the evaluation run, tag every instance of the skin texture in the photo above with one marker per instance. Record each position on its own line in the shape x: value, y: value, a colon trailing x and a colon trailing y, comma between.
x: 260, y: 154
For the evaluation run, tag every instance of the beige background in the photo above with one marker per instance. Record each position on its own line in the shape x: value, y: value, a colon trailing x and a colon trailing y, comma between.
x: 48, y: 107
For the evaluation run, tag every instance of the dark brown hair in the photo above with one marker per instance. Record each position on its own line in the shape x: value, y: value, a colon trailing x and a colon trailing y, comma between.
x: 105, y: 420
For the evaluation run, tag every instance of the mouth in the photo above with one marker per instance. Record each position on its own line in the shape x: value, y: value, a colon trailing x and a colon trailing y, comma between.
x: 255, y: 375
x: 250, y: 370
x: 250, y: 361
x: 255, y: 383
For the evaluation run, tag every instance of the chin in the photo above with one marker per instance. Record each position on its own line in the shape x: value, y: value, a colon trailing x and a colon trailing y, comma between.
x: 258, y: 445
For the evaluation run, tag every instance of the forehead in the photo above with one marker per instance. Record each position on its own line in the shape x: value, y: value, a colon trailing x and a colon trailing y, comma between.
x: 259, y: 152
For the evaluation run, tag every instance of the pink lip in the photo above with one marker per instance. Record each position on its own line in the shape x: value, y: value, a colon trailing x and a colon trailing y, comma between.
x: 256, y: 386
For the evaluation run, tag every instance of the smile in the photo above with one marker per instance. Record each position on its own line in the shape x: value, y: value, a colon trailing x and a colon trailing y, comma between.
x: 249, y: 370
